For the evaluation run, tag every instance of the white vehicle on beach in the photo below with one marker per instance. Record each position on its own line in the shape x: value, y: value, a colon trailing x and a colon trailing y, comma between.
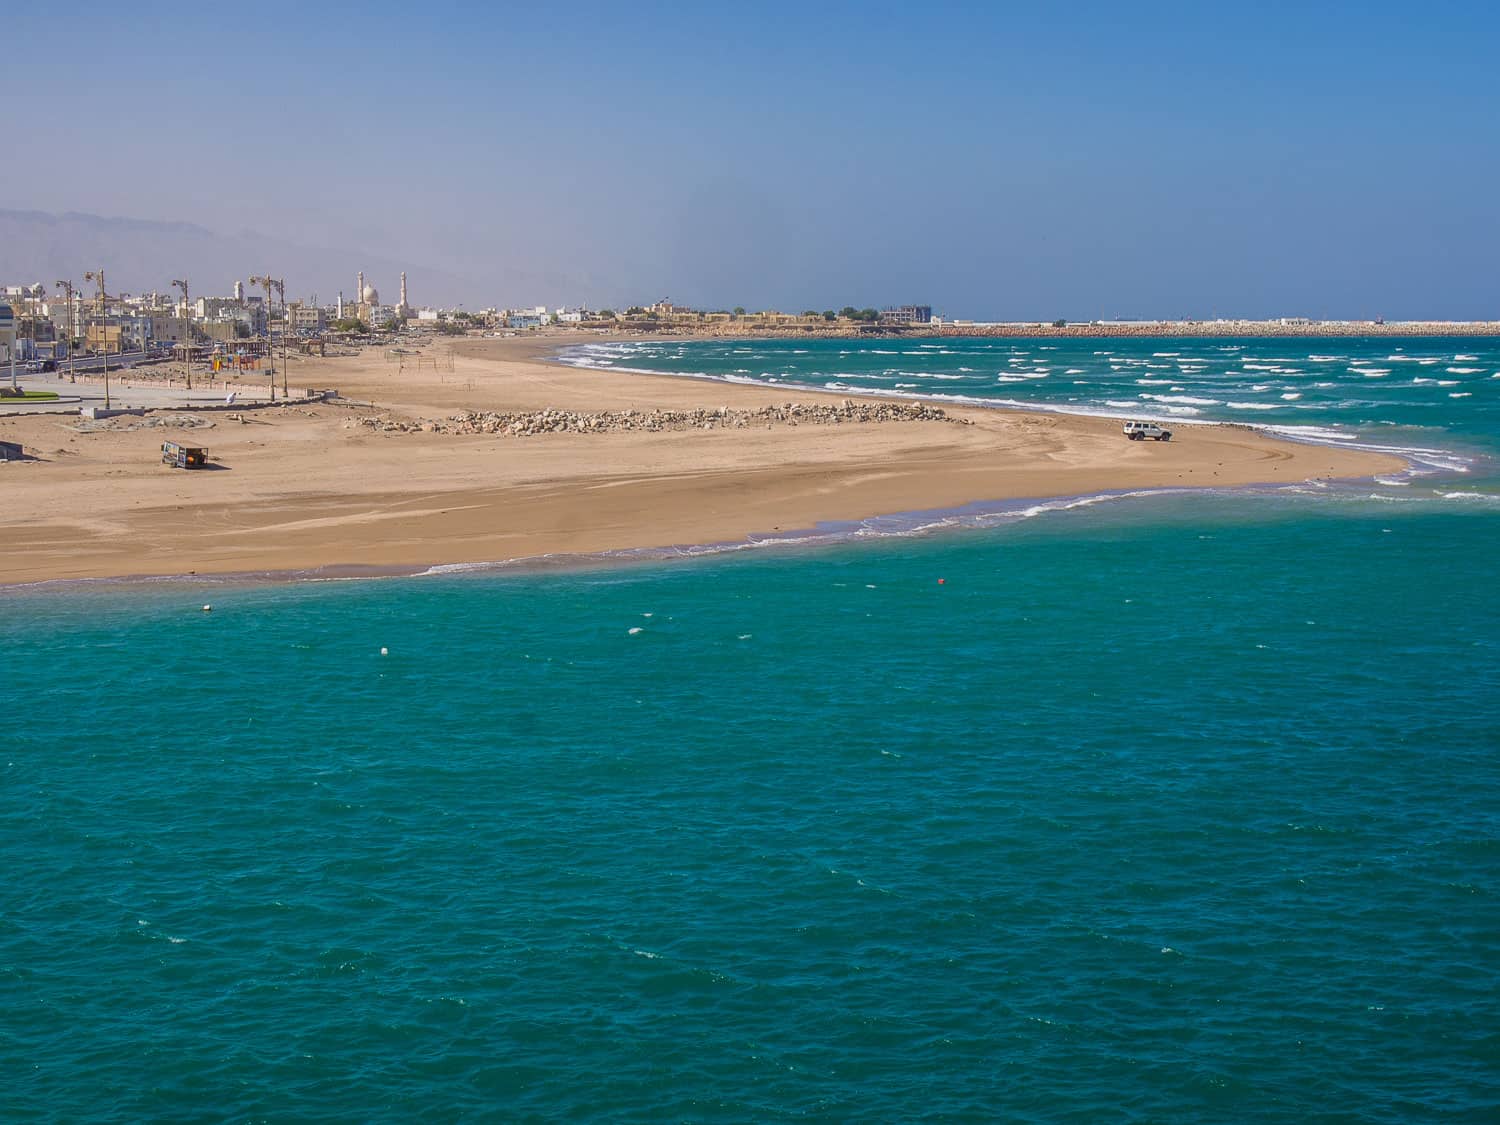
x: 1140, y: 431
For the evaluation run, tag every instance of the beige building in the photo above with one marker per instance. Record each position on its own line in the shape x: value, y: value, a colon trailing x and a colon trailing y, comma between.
x: 307, y: 318
x: 102, y: 337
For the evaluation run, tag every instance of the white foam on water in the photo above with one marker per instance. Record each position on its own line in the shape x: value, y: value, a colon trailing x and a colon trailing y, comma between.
x: 1189, y: 399
x: 1313, y: 433
x: 455, y: 568
x: 1465, y: 370
x: 1291, y: 396
x: 1255, y: 406
x: 1465, y: 358
x: 1489, y: 498
x: 1459, y: 394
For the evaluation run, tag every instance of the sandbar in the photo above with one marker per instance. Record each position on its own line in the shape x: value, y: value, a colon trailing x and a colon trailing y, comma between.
x: 300, y: 488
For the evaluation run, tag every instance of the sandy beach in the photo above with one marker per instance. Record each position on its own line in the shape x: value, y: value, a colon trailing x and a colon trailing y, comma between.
x: 327, y: 487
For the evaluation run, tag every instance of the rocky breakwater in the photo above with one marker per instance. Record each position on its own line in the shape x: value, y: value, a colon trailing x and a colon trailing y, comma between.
x: 536, y: 422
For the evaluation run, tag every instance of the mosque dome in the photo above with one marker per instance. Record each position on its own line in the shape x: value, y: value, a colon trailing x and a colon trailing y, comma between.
x: 371, y: 295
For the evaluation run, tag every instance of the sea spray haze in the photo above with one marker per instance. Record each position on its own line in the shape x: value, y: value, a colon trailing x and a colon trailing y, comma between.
x: 1174, y: 808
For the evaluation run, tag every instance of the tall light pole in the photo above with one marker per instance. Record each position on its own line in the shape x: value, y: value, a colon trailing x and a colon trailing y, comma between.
x: 267, y: 282
x: 98, y: 275
x: 67, y: 287
x: 187, y: 320
x: 286, y: 325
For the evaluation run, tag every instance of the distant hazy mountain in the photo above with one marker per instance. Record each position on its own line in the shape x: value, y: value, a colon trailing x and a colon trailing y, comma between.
x: 139, y: 256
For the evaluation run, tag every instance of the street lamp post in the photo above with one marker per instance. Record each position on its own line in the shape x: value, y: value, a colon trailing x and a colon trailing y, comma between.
x: 286, y: 325
x: 267, y: 282
x: 187, y: 346
x: 67, y: 287
x: 98, y: 276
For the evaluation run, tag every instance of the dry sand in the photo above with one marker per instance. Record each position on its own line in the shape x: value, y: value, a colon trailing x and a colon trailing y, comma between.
x: 298, y: 488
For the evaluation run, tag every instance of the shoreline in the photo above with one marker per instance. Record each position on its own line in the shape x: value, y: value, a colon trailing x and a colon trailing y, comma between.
x: 313, y: 493
x: 830, y: 534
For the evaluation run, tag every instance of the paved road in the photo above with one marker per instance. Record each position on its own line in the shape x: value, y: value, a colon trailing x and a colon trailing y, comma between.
x: 90, y: 392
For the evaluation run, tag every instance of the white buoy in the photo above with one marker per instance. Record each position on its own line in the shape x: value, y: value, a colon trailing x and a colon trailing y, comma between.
x: 208, y: 609
x: 385, y: 652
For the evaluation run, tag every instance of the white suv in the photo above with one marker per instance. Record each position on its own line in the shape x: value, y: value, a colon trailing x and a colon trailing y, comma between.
x: 1140, y: 431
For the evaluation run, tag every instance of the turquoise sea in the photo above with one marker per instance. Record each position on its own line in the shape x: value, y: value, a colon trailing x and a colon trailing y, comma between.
x: 1161, y: 807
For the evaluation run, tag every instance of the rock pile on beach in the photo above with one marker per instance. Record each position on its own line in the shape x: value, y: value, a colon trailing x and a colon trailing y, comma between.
x: 128, y: 422
x: 530, y: 423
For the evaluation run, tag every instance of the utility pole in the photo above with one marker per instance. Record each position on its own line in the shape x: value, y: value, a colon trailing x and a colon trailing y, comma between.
x: 67, y: 287
x: 98, y: 275
x: 266, y: 282
x: 187, y: 320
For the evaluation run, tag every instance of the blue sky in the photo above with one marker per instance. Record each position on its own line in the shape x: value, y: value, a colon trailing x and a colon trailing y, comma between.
x: 994, y: 160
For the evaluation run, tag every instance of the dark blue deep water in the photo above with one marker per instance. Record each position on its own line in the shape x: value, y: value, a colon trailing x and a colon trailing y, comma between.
x: 1170, y: 808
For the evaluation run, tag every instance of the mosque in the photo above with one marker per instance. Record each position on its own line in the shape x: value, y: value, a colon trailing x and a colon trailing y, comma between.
x: 367, y: 305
